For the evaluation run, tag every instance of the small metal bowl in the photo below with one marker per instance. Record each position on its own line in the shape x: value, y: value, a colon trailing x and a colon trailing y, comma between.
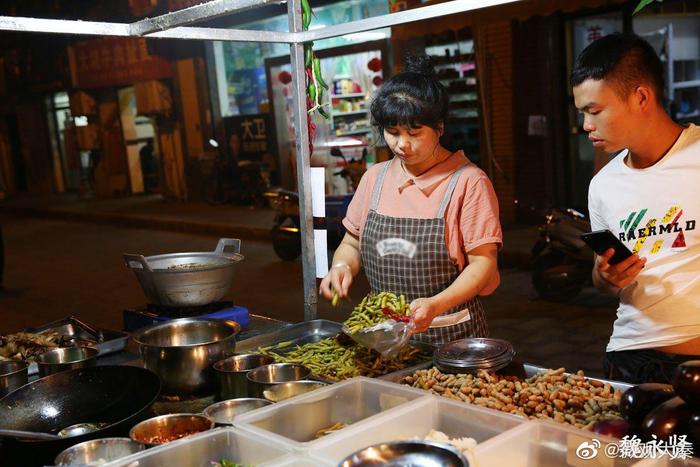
x: 13, y: 374
x: 402, y: 453
x: 98, y: 452
x: 166, y: 428
x: 280, y: 392
x: 232, y: 372
x: 266, y: 376
x: 224, y: 412
x: 67, y: 358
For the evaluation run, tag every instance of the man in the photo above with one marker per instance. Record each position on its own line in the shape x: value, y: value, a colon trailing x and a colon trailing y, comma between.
x: 648, y: 197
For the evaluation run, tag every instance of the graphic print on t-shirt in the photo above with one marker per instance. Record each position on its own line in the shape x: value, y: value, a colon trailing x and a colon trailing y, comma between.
x: 671, y: 223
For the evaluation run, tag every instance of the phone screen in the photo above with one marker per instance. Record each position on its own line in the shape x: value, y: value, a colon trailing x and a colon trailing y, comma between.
x: 601, y: 241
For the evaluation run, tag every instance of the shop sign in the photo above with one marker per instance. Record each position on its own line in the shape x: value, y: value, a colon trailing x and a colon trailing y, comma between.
x: 248, y: 136
x: 115, y: 61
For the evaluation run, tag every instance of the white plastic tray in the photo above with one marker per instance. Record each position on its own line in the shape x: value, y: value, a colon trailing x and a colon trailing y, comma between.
x: 545, y: 444
x: 299, y: 418
x: 200, y: 450
x: 415, y: 420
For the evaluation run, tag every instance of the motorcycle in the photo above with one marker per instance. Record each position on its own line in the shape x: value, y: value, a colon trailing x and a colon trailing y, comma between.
x: 561, y: 262
x: 286, y: 231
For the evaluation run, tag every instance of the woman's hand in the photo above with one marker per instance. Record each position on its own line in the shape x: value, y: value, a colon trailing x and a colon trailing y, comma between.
x: 622, y: 274
x: 339, y: 279
x: 423, y: 312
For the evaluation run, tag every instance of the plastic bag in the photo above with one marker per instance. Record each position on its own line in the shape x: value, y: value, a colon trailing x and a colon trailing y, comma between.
x: 387, y: 337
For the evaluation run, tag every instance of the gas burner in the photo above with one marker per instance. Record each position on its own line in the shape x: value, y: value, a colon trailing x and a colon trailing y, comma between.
x: 138, y: 317
x: 187, y: 311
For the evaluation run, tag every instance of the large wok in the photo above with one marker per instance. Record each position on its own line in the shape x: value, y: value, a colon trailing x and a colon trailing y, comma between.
x: 118, y: 395
x: 187, y: 279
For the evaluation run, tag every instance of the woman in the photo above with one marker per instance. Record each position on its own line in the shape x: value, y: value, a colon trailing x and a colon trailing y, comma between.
x: 425, y: 223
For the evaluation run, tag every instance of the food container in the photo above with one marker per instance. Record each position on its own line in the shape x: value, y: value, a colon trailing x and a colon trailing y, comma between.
x: 224, y: 412
x: 68, y: 358
x: 187, y: 279
x: 403, y: 453
x: 266, y: 376
x: 547, y: 444
x: 167, y: 428
x: 413, y: 422
x: 98, y: 451
x: 202, y: 449
x: 183, y: 351
x: 232, y: 374
x: 13, y: 374
x: 280, y: 392
x: 301, y: 418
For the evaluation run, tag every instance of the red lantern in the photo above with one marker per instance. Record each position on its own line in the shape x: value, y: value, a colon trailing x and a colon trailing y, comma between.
x: 377, y: 81
x: 375, y: 65
x: 285, y: 77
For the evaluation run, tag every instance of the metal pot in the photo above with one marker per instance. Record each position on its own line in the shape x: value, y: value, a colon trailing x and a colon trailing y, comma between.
x: 224, y: 412
x: 187, y: 279
x: 183, y: 351
x: 265, y: 377
x: 68, y: 358
x: 173, y: 426
x: 232, y: 374
x: 98, y: 451
x: 13, y: 374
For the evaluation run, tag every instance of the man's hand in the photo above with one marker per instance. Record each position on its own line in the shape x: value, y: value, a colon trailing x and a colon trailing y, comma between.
x: 423, y: 311
x: 622, y: 274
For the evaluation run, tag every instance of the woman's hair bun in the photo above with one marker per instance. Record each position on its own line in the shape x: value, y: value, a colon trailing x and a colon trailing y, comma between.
x: 421, y: 64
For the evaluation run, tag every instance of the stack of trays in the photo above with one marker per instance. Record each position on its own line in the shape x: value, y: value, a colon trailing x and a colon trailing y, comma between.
x: 472, y: 354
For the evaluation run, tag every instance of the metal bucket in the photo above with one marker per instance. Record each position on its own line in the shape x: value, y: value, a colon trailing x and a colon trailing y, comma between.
x: 186, y: 279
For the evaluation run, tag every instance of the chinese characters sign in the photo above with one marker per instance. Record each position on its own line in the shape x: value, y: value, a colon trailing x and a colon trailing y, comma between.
x: 115, y: 61
x: 248, y: 136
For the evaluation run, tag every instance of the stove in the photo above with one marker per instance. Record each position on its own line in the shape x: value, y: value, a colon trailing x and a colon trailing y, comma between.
x: 145, y: 315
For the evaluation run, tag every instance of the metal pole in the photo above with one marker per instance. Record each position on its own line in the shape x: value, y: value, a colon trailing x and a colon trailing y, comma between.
x: 204, y: 11
x: 303, y: 158
x: 62, y: 26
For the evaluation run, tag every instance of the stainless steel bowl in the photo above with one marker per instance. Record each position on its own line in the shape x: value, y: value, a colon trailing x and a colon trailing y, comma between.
x: 98, y: 451
x: 13, y: 374
x: 166, y: 428
x: 232, y: 373
x: 402, y: 453
x: 187, y: 279
x: 183, y: 351
x: 224, y: 412
x: 66, y: 358
x: 266, y: 376
x: 282, y: 391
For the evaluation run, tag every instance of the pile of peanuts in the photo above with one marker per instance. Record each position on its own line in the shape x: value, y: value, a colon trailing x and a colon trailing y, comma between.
x: 563, y: 398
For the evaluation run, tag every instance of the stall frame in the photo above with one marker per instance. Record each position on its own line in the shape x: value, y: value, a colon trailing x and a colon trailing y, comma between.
x: 175, y: 25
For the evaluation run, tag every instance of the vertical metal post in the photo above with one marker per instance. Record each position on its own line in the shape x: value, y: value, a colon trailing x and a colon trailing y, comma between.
x: 301, y: 133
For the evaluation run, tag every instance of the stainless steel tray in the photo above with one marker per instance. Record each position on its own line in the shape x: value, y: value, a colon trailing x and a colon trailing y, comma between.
x: 298, y: 334
x: 106, y: 341
x: 521, y: 370
x: 314, y: 331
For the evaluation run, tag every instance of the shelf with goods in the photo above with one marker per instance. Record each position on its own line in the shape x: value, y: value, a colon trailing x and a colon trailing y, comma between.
x: 349, y: 108
x: 455, y: 66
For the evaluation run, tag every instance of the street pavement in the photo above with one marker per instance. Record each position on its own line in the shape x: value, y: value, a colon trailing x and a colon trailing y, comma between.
x: 56, y: 268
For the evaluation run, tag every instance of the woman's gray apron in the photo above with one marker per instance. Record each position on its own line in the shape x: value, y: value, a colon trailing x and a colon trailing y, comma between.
x: 409, y: 256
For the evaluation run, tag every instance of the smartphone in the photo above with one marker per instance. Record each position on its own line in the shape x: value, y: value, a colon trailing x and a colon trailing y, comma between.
x: 601, y: 241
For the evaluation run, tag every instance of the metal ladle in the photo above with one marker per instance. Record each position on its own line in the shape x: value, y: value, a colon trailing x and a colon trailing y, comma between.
x: 28, y: 434
x: 74, y: 430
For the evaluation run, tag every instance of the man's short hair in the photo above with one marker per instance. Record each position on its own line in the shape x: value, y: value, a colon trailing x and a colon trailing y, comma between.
x: 624, y: 61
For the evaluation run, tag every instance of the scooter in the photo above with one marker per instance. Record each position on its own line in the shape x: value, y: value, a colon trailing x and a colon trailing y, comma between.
x: 561, y: 262
x: 286, y: 232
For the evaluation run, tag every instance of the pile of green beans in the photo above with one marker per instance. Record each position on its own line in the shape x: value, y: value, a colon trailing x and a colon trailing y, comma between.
x: 369, y: 312
x: 329, y: 359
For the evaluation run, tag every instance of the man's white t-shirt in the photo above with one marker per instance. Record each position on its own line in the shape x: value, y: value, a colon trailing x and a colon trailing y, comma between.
x: 655, y: 212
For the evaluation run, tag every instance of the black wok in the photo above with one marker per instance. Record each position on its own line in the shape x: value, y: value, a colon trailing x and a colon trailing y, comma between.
x: 118, y: 395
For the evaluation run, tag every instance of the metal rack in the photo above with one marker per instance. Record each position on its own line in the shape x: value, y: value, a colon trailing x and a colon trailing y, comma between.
x: 175, y: 25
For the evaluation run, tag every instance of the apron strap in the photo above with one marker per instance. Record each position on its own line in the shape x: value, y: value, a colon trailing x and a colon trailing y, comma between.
x: 448, y: 192
x: 374, y: 202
